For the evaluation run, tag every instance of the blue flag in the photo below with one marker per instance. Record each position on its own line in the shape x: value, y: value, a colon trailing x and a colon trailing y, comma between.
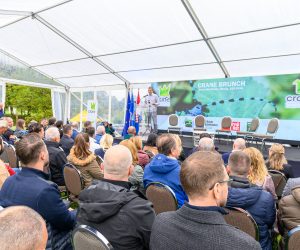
x: 132, y: 111
x: 127, y: 116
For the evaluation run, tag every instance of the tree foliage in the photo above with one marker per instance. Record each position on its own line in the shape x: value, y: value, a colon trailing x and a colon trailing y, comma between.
x: 29, y: 103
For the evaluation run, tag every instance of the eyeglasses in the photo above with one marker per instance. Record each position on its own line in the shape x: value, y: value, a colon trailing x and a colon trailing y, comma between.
x: 220, y: 182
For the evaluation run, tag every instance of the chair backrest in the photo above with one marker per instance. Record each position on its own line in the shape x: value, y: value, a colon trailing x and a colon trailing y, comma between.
x: 241, y: 219
x: 73, y: 179
x: 273, y: 126
x: 254, y: 125
x: 226, y: 123
x: 173, y: 120
x: 162, y: 197
x: 11, y: 155
x: 87, y: 238
x: 199, y: 121
x: 293, y: 239
x: 279, y: 180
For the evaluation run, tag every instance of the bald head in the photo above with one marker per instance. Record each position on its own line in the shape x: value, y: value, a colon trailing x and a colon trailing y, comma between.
x: 206, y: 144
x: 239, y: 144
x: 239, y: 164
x: 131, y: 130
x: 22, y: 228
x: 117, y: 162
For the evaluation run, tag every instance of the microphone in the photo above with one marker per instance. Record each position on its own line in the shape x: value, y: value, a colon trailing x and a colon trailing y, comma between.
x: 145, y: 96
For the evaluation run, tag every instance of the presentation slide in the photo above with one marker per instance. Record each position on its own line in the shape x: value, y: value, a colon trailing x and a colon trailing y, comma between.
x: 242, y: 98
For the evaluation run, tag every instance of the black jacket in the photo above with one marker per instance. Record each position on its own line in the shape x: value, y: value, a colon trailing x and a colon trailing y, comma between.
x: 66, y: 143
x: 57, y: 159
x: 124, y: 217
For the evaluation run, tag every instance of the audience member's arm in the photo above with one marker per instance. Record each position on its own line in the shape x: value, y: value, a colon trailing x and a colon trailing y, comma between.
x: 61, y: 159
x: 270, y: 214
x: 95, y: 171
x: 52, y: 208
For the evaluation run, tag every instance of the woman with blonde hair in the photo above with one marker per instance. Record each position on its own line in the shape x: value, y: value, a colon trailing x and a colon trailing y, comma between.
x: 136, y: 178
x: 105, y: 143
x: 142, y: 155
x: 277, y: 160
x: 81, y: 157
x: 258, y: 173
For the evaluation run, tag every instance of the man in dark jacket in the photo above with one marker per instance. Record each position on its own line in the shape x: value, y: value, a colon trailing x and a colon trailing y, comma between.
x: 165, y: 168
x: 31, y: 188
x: 259, y: 203
x: 57, y: 157
x: 66, y: 141
x: 200, y: 224
x: 124, y: 217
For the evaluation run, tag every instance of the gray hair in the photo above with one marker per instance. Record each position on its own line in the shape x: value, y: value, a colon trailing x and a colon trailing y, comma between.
x: 239, y: 144
x: 74, y: 125
x: 101, y: 130
x: 21, y: 228
x: 52, y: 133
x: 206, y: 144
x: 117, y: 161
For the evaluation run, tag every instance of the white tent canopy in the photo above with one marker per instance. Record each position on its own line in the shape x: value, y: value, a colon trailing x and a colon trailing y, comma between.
x: 88, y: 43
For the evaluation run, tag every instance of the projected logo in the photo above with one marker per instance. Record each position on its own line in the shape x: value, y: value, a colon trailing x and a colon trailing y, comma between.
x: 293, y: 101
x: 164, y: 95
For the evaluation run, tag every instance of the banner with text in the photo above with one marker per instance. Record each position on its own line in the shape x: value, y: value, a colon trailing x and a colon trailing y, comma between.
x: 242, y: 98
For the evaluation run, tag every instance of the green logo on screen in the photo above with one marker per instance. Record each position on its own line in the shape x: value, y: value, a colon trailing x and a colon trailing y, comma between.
x: 165, y: 90
x: 297, y: 86
x: 93, y: 106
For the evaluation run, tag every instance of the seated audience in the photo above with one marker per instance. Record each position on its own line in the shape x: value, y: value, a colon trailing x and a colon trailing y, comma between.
x: 66, y: 141
x: 99, y: 133
x: 81, y: 157
x: 199, y: 224
x: 51, y: 122
x: 59, y: 124
x: 125, y: 218
x: 165, y: 167
x: 291, y: 183
x: 142, y: 155
x: 289, y: 211
x: 20, y: 129
x: 75, y: 128
x: 258, y: 173
x: 203, y: 135
x: 57, y: 157
x: 44, y: 123
x: 37, y: 128
x: 8, y: 135
x: 5, y: 158
x: 206, y: 144
x: 243, y: 194
x: 93, y: 145
x: 238, y: 145
x: 150, y: 145
x: 86, y: 125
x: 136, y: 177
x: 131, y: 131
x: 277, y: 160
x: 22, y: 228
x: 109, y: 128
x: 31, y: 188
x: 4, y: 174
x: 3, y: 128
x: 105, y: 143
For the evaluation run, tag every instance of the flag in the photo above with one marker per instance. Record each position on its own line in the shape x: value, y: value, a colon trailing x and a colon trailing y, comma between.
x: 137, y: 116
x: 132, y: 110
x: 138, y: 99
x: 127, y: 116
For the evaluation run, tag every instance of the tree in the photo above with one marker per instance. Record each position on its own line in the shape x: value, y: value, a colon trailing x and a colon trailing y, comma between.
x: 28, y: 103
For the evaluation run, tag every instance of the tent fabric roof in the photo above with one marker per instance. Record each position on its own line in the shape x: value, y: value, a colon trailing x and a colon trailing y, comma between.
x: 86, y: 43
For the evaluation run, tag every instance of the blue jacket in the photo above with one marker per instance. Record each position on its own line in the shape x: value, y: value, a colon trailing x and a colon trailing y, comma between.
x: 31, y: 188
x: 98, y: 138
x: 74, y: 134
x: 165, y: 170
x: 259, y: 203
x: 225, y: 157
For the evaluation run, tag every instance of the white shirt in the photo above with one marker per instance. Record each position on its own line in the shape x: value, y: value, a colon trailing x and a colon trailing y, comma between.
x: 93, y: 145
x: 152, y: 102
